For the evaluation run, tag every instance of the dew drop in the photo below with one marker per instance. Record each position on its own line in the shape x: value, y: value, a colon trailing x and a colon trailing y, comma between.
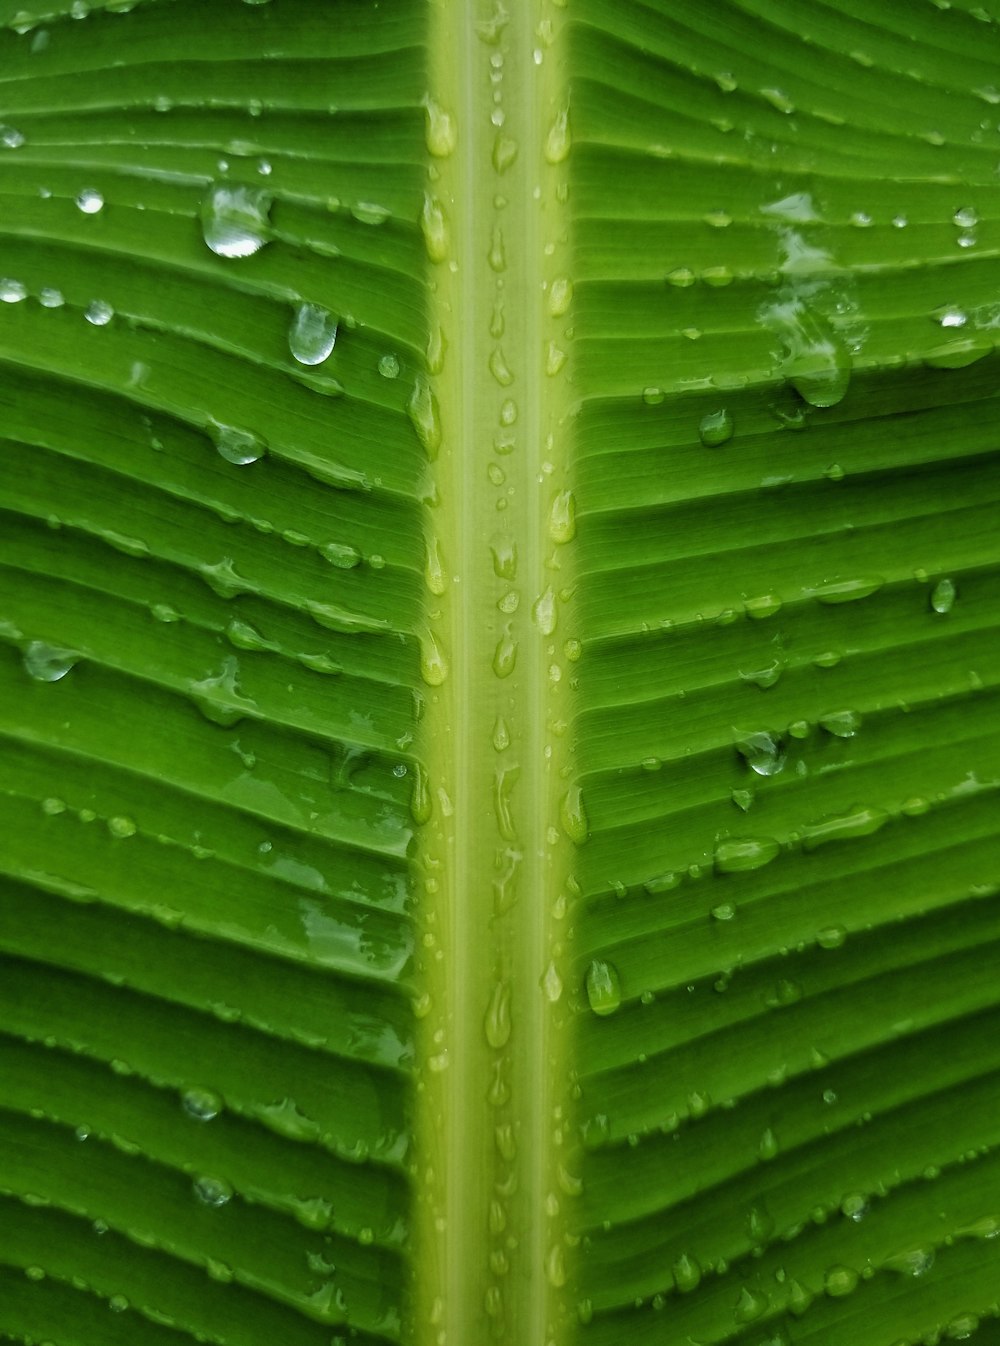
x: 552, y: 983
x: 841, y: 723
x: 559, y: 139
x: 90, y: 201
x: 312, y: 335
x: 99, y: 313
x: 201, y: 1104
x: 762, y: 751
x: 47, y: 663
x: 751, y: 1305
x: 50, y: 298
x: 716, y: 428
x: 11, y: 139
x: 12, y: 291
x: 604, y: 990
x: 212, y: 1191
x: 839, y: 1281
x: 341, y: 555
x: 440, y: 133
x: 965, y: 217
x: 544, y: 612
x: 687, y: 1273
x: 943, y: 596
x: 388, y: 367
x: 422, y: 409
x: 236, y: 445
x: 562, y: 517
x: 121, y: 827
x: 573, y: 816
x: 740, y: 854
x: 505, y: 655
x: 434, y: 227
x: 560, y: 296
x: 497, y: 1021
x: 235, y: 220
x: 433, y: 664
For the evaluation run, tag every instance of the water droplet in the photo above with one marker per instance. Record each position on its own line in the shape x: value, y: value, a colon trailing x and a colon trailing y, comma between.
x: 90, y: 201
x: 499, y: 368
x: 505, y: 655
x: 562, y: 517
x: 99, y: 313
x: 604, y: 990
x: 552, y: 983
x: 212, y: 1191
x: 911, y: 1262
x: 816, y: 361
x: 768, y: 1146
x: 434, y: 227
x: 440, y: 133
x: 943, y: 596
x: 841, y: 723
x: 559, y: 139
x: 751, y: 1305
x: 739, y: 854
x: 11, y: 139
x: 555, y: 1267
x: 312, y: 335
x: 762, y: 751
x: 47, y: 663
x: 544, y: 612
x: 497, y: 1021
x: 504, y: 152
x: 573, y: 816
x: 857, y: 822
x: 433, y: 665
x: 854, y: 1206
x: 235, y: 220
x: 12, y: 291
x: 201, y: 1104
x: 849, y: 590
x: 950, y: 316
x: 831, y: 937
x: 965, y: 217
x: 687, y: 1273
x: 388, y: 367
x: 716, y: 428
x: 341, y: 555
x: 122, y: 827
x: 425, y: 416
x: 50, y: 298
x: 237, y: 446
x: 370, y: 212
x: 117, y: 1303
x: 839, y: 1281
x: 560, y: 296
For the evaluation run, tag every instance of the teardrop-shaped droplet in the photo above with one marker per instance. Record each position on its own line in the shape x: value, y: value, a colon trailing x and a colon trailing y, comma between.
x: 235, y: 220
x: 237, y: 445
x: 47, y: 663
x: 604, y: 990
x: 312, y: 335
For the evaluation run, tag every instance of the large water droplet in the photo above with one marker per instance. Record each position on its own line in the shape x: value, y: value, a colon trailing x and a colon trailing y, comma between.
x: 573, y: 816
x: 90, y: 201
x: 604, y: 990
x: 235, y: 220
x: 943, y: 596
x: 840, y: 1281
x: 212, y: 1191
x: 99, y: 313
x: 715, y: 428
x: 687, y: 1273
x: 497, y: 1021
x: 816, y: 361
x: 238, y: 446
x: 201, y: 1104
x: 12, y: 291
x: 762, y: 751
x: 47, y: 663
x: 312, y: 335
x: 739, y: 854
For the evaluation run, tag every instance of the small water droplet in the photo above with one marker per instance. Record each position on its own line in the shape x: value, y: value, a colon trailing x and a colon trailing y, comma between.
x: 312, y: 335
x: 831, y: 937
x: 559, y: 139
x: 603, y: 986
x: 762, y: 751
x: 212, y: 1191
x: 433, y: 664
x: 505, y: 655
x: 12, y: 291
x: 841, y: 723
x: 497, y: 1021
x: 440, y: 133
x: 50, y: 298
x: 573, y: 816
x: 839, y: 1281
x: 388, y: 366
x: 687, y: 1273
x: 768, y: 1146
x: 201, y: 1104
x: 943, y: 596
x: 560, y: 296
x: 965, y: 217
x: 99, y: 313
x: 751, y: 1305
x: 562, y: 517
x: 715, y: 428
x: 10, y: 138
x: 425, y: 416
x: 854, y: 1206
x: 544, y: 612
x: 122, y: 827
x: 552, y: 983
x: 236, y: 445
x: 90, y: 201
x: 235, y: 220
x: 737, y: 855
x: 341, y: 555
x: 434, y: 227
x: 47, y: 663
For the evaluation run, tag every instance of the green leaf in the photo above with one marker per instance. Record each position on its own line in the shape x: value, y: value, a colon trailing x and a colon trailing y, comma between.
x: 498, y: 673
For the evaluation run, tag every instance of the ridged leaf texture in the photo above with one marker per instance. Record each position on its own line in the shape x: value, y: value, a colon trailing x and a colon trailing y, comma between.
x: 500, y: 709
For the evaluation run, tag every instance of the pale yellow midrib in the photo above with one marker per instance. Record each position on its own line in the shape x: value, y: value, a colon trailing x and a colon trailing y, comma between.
x: 456, y: 1122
